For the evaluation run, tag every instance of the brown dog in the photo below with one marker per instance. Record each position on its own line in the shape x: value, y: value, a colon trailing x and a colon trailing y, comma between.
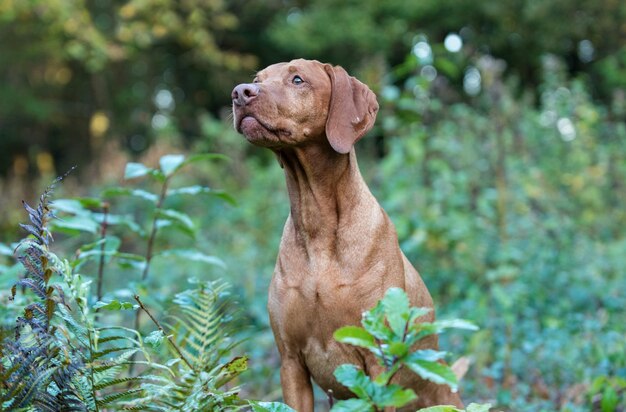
x: 339, y: 252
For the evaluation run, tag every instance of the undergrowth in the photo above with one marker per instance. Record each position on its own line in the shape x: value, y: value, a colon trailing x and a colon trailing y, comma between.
x: 68, y: 354
x: 73, y: 351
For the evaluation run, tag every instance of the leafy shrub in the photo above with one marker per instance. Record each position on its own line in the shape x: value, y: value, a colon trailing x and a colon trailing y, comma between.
x: 390, y: 331
x: 65, y: 357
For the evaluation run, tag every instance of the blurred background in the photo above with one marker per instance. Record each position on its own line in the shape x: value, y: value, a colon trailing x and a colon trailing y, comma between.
x: 499, y: 153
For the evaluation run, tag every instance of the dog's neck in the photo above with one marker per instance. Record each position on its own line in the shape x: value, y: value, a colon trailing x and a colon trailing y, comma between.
x: 325, y: 189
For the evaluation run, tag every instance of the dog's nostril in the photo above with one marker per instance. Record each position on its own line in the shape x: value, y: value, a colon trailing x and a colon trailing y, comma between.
x: 243, y: 93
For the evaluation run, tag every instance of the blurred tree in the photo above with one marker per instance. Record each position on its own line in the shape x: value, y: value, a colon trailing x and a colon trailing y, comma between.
x: 77, y: 71
x: 520, y: 32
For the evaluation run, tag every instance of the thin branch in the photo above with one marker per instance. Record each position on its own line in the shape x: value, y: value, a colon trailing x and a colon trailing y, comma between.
x: 169, y: 338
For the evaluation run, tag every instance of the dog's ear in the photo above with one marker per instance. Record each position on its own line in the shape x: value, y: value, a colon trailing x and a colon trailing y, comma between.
x: 352, y: 110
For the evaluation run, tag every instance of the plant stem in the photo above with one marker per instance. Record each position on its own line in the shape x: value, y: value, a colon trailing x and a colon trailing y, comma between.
x: 169, y: 338
x: 103, y: 233
x: 151, y: 240
x: 153, y: 232
x: 149, y: 252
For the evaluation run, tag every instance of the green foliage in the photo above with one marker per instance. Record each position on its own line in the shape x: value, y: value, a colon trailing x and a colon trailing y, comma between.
x: 60, y: 359
x: 53, y: 362
x: 391, y: 331
x: 608, y: 394
x: 512, y: 213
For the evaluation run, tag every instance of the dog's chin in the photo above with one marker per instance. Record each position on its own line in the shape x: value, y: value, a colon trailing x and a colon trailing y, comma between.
x: 256, y: 133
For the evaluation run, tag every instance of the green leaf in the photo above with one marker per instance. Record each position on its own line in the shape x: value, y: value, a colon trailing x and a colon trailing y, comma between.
x: 74, y: 224
x: 120, y: 220
x: 270, y: 407
x: 180, y: 219
x: 374, y: 322
x: 456, y: 324
x: 433, y: 371
x: 170, y: 163
x: 155, y: 338
x: 134, y: 170
x: 475, y: 407
x: 427, y: 355
x: 189, y: 190
x: 5, y: 250
x: 72, y: 206
x: 356, y: 336
x: 415, y: 313
x: 124, y: 191
x: 114, y: 305
x: 90, y: 202
x: 393, y: 395
x: 354, y: 379
x: 396, y: 306
x: 353, y: 405
x: 398, y: 349
x: 442, y: 408
x: 609, y: 401
x: 193, y: 255
x: 195, y: 190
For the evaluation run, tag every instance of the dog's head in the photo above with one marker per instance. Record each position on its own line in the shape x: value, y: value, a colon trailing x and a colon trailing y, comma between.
x: 304, y: 101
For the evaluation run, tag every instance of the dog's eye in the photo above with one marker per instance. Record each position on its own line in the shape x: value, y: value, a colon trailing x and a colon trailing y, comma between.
x: 297, y: 80
x: 255, y: 80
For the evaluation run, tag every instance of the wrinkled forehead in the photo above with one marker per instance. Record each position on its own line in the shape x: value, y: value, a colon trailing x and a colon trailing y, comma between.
x: 309, y: 68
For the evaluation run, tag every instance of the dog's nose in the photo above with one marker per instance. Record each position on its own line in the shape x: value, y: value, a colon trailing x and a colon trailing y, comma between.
x: 244, y: 93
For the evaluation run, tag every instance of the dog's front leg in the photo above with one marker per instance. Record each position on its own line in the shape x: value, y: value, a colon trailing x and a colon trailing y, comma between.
x: 296, y: 383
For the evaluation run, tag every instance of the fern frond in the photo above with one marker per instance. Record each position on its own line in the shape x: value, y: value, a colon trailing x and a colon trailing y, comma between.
x: 106, y: 400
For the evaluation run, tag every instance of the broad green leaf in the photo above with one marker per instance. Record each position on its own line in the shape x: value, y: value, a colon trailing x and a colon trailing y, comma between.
x: 134, y: 170
x: 610, y: 399
x: 225, y: 196
x: 194, y: 255
x: 415, y: 313
x: 433, y: 371
x: 195, y: 190
x: 74, y: 224
x: 170, y: 163
x: 120, y: 220
x: 354, y: 379
x: 352, y: 405
x: 427, y: 355
x: 181, y: 220
x: 189, y: 190
x: 393, y: 395
x: 124, y: 191
x: 374, y: 322
x: 91, y: 202
x: 398, y: 349
x: 270, y: 407
x: 475, y: 407
x: 155, y: 338
x: 418, y: 331
x: 442, y: 408
x: 71, y: 206
x: 356, y: 336
x: 115, y: 305
x: 456, y: 324
x: 396, y: 306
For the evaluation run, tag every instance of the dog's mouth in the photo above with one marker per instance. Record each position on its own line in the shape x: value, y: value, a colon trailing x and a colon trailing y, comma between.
x: 256, y: 130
